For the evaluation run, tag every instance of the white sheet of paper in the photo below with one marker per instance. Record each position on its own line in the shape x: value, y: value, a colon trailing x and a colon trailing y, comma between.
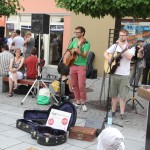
x: 58, y: 119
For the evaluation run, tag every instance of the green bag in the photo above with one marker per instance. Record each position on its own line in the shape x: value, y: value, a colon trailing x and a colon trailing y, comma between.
x: 43, y: 97
x: 43, y: 100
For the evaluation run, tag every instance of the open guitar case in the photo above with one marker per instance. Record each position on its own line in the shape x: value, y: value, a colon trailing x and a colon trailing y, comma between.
x: 34, y: 122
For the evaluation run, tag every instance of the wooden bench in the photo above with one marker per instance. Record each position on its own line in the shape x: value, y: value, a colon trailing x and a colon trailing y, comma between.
x: 22, y: 81
x: 5, y: 86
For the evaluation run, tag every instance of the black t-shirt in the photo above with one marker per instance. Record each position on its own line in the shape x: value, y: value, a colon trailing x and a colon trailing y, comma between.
x: 135, y: 58
x: 147, y: 55
x: 67, y: 91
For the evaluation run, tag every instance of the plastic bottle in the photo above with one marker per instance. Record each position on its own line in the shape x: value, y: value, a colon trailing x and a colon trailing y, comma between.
x: 109, y: 121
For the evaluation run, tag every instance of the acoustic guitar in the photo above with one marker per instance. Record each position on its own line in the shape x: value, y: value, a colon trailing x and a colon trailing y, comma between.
x: 73, y: 55
x: 115, y: 61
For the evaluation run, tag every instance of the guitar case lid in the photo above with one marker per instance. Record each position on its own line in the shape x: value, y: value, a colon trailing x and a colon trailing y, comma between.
x: 35, y: 114
x: 69, y: 107
x: 38, y: 115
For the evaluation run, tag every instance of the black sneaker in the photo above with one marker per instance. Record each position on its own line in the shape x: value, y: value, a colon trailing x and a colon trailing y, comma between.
x: 113, y: 114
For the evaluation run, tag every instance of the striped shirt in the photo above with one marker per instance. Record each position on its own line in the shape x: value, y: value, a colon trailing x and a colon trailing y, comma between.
x: 5, y: 57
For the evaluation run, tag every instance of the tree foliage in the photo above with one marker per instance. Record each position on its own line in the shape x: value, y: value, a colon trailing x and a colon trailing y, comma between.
x: 101, y: 8
x: 8, y: 7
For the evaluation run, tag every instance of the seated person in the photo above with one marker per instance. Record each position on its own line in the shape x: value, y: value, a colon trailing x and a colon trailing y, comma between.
x: 16, y: 70
x: 5, y: 57
x: 64, y: 71
x: 110, y: 139
x: 31, y: 64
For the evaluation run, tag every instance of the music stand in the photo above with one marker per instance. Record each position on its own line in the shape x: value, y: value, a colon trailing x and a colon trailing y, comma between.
x: 133, y: 105
x: 38, y: 79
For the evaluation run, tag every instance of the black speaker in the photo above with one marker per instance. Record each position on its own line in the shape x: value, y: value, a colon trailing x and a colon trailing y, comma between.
x: 2, y: 29
x: 40, y: 23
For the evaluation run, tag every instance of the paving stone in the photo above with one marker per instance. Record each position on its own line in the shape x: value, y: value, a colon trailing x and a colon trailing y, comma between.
x: 134, y: 145
x: 92, y: 147
x: 23, y: 146
x: 7, y: 120
x: 14, y: 133
x: 4, y: 127
x: 27, y: 139
x: 74, y: 148
x: 57, y: 147
x: 6, y: 142
x: 132, y: 134
x: 80, y: 144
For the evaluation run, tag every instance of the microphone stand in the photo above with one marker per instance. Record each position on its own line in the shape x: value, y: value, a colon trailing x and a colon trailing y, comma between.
x: 61, y: 61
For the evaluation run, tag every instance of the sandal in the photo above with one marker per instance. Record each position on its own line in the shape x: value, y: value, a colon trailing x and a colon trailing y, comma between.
x: 10, y: 94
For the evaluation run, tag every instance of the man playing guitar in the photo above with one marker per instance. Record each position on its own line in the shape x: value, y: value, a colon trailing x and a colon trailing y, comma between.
x: 80, y: 47
x: 120, y: 78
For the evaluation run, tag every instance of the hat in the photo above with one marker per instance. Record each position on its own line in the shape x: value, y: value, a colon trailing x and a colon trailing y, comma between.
x: 110, y: 139
x: 140, y: 40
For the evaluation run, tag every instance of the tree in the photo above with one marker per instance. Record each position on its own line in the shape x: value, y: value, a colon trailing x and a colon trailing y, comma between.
x: 100, y: 8
x: 8, y: 7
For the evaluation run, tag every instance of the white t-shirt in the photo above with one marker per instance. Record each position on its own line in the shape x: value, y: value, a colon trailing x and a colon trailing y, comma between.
x: 9, y: 42
x: 124, y: 68
x: 19, y: 42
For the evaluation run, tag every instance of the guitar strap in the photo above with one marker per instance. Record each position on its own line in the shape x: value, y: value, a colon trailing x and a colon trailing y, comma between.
x: 115, y: 48
x: 127, y: 46
x: 81, y: 44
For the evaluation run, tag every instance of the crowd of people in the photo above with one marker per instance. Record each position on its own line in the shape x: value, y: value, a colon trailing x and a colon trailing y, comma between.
x: 18, y: 59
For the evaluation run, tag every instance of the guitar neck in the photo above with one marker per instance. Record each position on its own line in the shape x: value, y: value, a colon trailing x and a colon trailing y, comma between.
x: 123, y: 51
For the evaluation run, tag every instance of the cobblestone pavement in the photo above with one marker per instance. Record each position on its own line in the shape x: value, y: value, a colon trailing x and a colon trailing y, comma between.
x: 11, y: 138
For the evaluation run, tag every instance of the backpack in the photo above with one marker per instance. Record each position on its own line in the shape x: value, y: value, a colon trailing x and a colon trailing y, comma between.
x: 22, y: 90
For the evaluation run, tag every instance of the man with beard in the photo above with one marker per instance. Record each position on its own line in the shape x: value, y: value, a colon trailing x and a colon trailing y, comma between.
x: 120, y: 78
x: 79, y: 48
